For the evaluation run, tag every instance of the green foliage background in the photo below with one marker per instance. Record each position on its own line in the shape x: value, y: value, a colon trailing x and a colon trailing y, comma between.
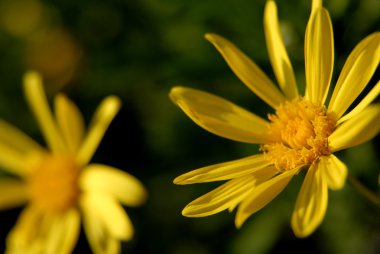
x: 138, y: 50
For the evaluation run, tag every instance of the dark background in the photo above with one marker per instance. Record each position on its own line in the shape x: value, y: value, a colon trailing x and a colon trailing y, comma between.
x: 138, y: 50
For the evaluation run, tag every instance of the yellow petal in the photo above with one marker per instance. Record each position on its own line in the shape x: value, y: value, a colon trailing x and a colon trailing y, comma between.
x: 37, y: 101
x: 277, y: 52
x: 72, y: 231
x: 221, y: 198
x: 261, y: 195
x: 12, y: 160
x: 319, y: 55
x: 12, y: 193
x: 334, y: 171
x: 247, y: 71
x: 311, y: 203
x: 99, y: 238
x: 316, y: 4
x: 375, y: 91
x: 111, y: 215
x: 102, y: 118
x: 220, y: 116
x: 70, y: 121
x: 356, y: 130
x: 64, y: 232
x: 18, y: 140
x: 228, y: 195
x: 28, y: 235
x: 123, y: 186
x: 356, y: 72
x: 224, y: 171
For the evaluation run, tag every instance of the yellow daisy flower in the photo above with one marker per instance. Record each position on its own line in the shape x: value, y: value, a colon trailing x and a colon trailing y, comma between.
x: 58, y: 185
x: 303, y: 133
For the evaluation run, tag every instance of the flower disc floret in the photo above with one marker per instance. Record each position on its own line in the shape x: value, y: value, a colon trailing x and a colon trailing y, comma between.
x: 53, y: 184
x: 299, y: 132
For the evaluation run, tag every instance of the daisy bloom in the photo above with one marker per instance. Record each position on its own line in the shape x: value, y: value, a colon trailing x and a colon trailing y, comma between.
x: 302, y: 133
x: 58, y: 185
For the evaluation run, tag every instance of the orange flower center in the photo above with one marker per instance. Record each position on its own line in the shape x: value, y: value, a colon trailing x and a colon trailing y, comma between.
x: 300, y: 131
x: 53, y: 184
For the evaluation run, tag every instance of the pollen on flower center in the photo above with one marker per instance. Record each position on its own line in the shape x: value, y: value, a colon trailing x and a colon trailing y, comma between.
x: 299, y: 132
x: 53, y: 183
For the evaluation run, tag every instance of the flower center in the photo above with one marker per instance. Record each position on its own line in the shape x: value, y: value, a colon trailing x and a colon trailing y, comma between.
x: 299, y: 132
x: 53, y: 183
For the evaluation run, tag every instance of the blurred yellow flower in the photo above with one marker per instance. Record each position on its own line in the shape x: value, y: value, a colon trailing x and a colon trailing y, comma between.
x: 58, y: 185
x: 303, y: 133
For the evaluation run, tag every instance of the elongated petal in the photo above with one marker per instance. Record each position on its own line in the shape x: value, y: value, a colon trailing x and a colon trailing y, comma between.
x: 13, y: 193
x: 356, y: 130
x: 220, y: 116
x: 31, y: 231
x: 311, y: 203
x: 70, y: 121
x: 228, y: 195
x: 64, y: 232
x: 39, y: 232
x: 16, y: 139
x: 12, y: 160
x: 316, y: 4
x: 247, y: 71
x: 362, y: 104
x: 36, y: 98
x: 123, y: 186
x: 112, y: 216
x: 22, y: 237
x: 224, y: 171
x: 334, y: 171
x: 100, y: 240
x: 319, y: 55
x: 102, y: 118
x: 356, y: 72
x: 221, y: 198
x: 70, y: 237
x: 261, y: 195
x: 277, y: 52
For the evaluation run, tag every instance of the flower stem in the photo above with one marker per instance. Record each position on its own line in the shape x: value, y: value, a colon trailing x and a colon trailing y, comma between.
x: 364, y: 190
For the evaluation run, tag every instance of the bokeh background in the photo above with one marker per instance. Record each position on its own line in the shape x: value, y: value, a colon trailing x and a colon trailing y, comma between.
x: 138, y: 50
